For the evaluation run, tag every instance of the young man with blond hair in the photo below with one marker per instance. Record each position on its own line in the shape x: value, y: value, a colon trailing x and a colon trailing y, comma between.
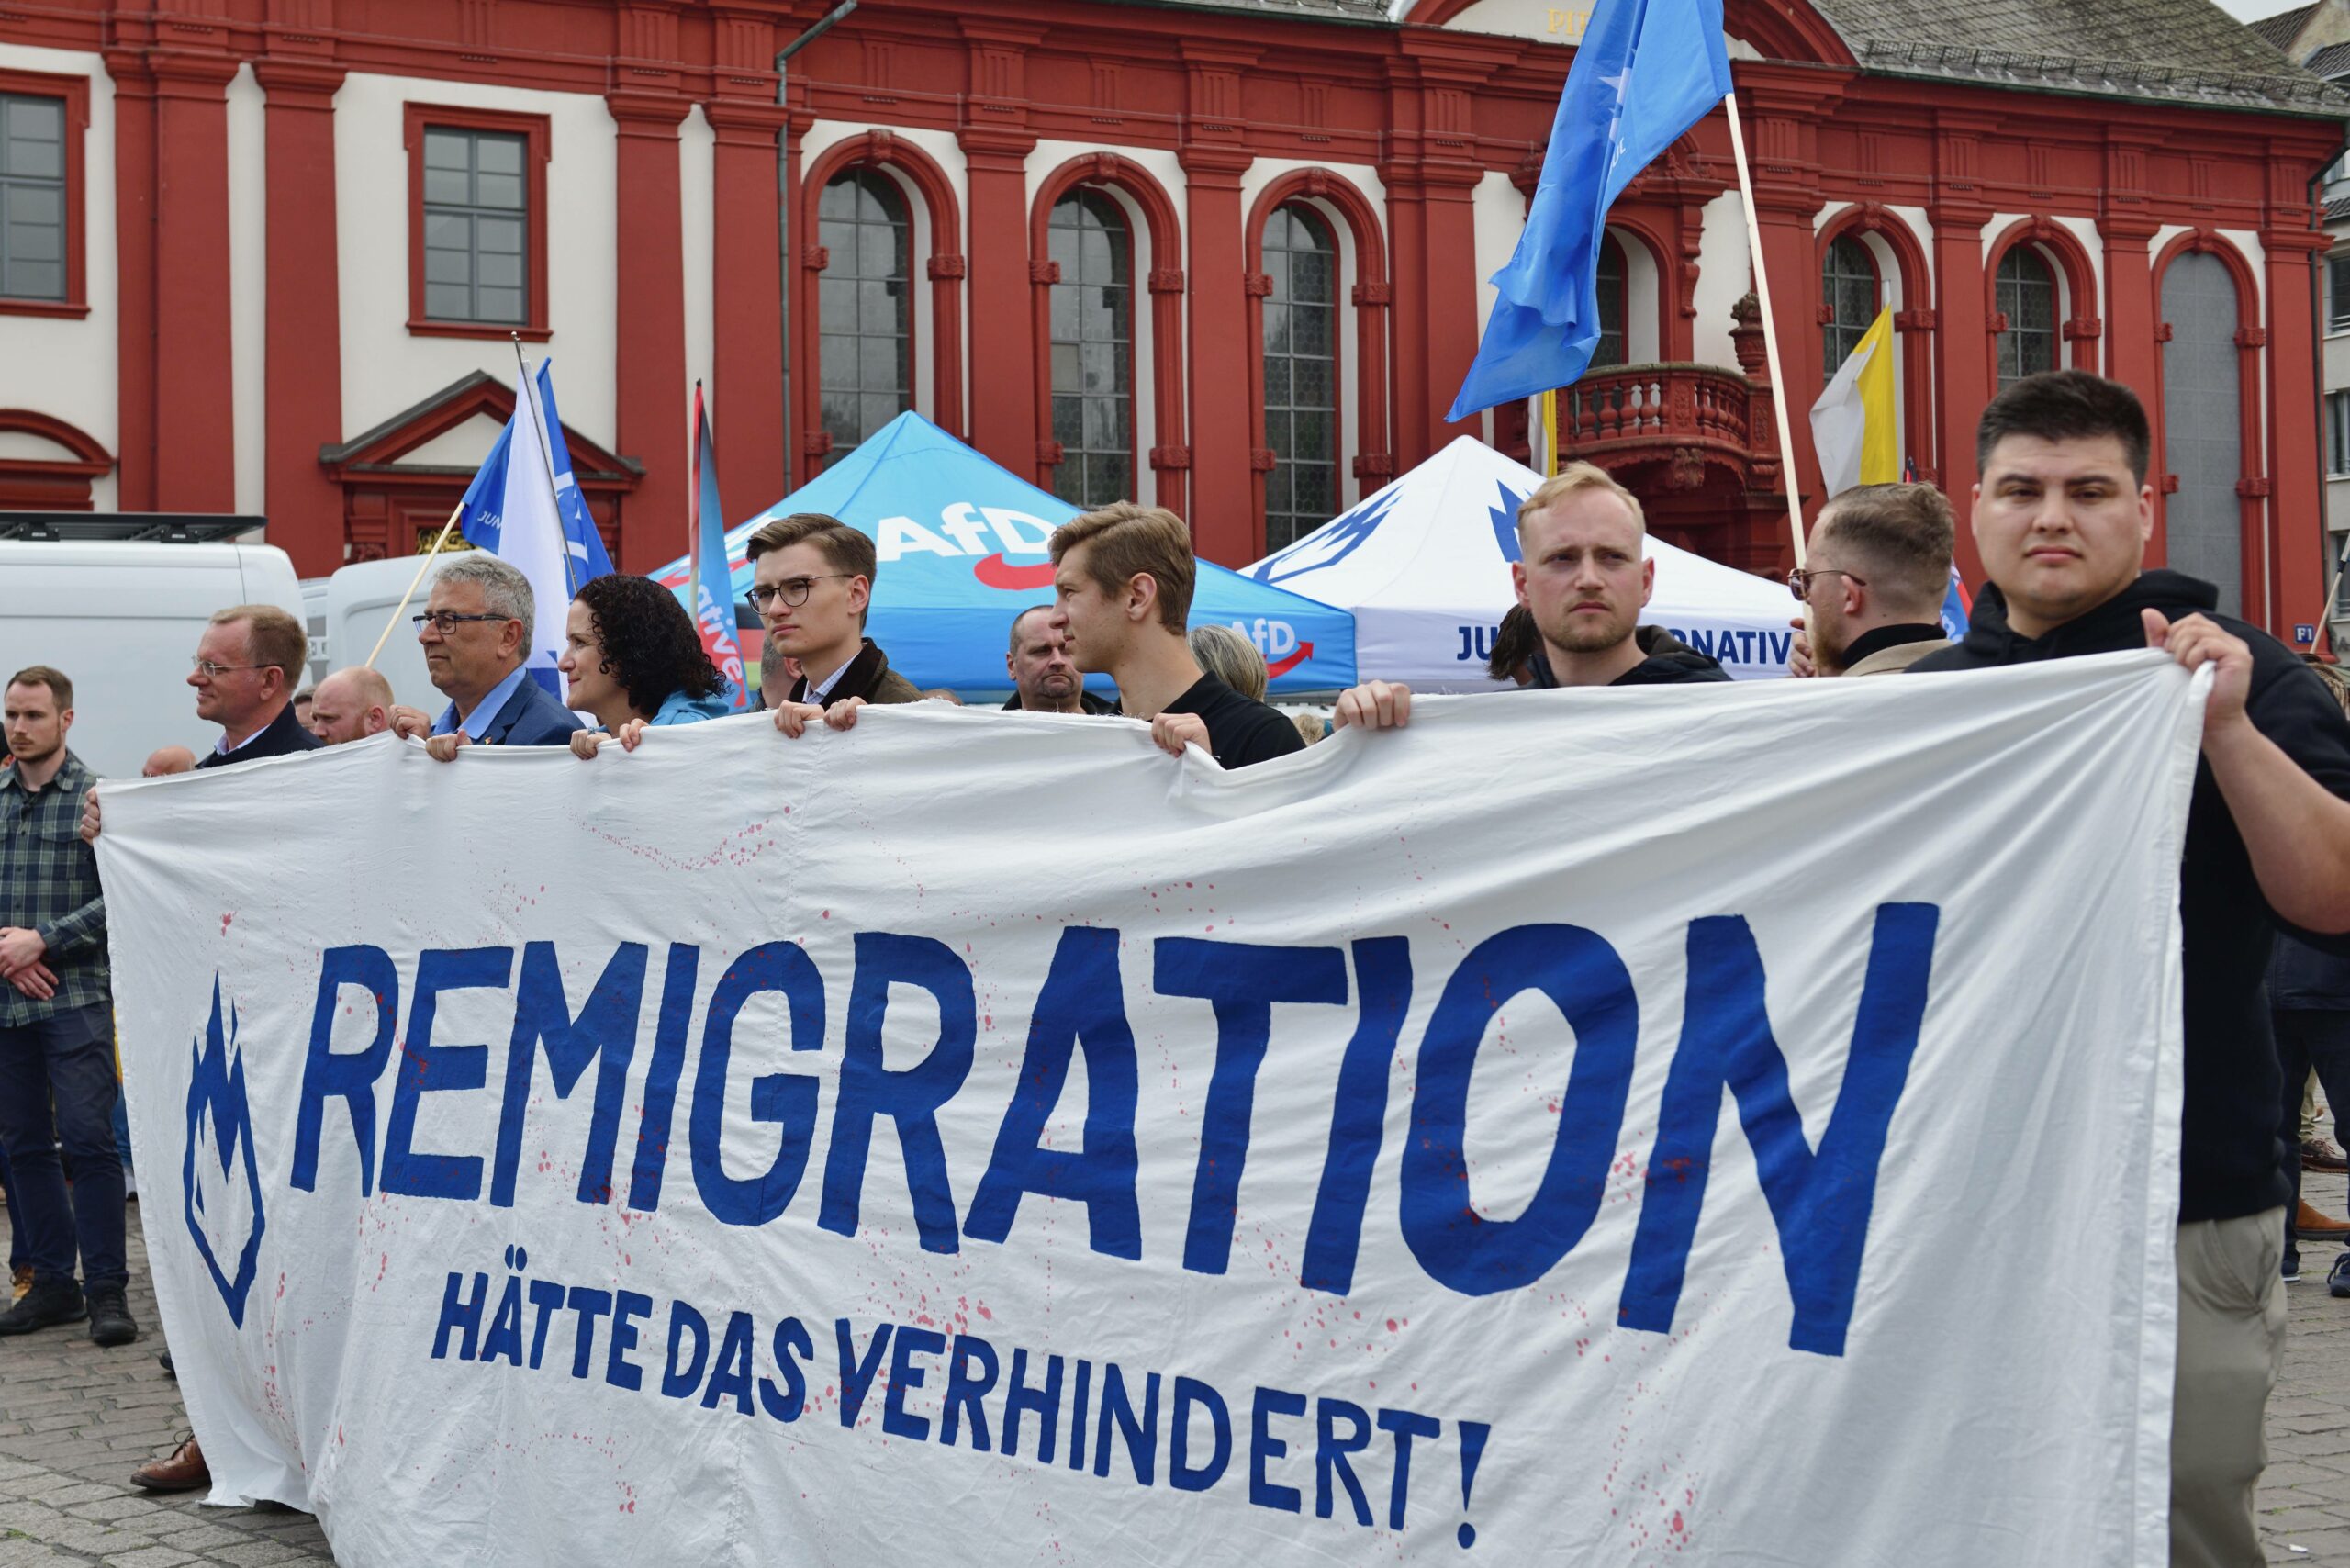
x: 1121, y: 584
x: 813, y: 584
x: 1583, y: 579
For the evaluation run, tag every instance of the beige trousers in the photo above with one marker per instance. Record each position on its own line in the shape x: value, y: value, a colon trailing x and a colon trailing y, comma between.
x: 2230, y: 1347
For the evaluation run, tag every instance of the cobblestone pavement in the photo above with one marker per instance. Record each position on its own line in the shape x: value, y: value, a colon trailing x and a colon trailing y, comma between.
x: 75, y: 1420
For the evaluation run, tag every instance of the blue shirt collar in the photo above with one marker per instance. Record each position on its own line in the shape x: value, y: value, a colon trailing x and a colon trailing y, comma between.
x: 489, y: 707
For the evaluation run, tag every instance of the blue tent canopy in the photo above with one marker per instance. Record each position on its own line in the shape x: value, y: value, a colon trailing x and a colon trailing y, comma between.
x: 962, y: 549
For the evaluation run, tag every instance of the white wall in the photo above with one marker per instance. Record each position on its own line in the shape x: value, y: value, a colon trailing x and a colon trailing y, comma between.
x: 1724, y: 269
x: 385, y: 369
x: 248, y: 285
x: 697, y: 174
x: 61, y: 367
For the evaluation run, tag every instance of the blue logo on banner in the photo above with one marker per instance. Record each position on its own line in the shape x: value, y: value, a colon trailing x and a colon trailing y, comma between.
x: 216, y: 1095
x: 1328, y: 545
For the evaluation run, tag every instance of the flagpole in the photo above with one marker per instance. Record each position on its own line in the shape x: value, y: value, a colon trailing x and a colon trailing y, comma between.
x: 1770, y: 329
x: 422, y: 561
x: 1550, y: 432
x: 546, y: 456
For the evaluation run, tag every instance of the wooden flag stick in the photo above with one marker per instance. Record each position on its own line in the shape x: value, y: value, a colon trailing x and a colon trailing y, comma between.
x: 1770, y: 329
x: 422, y: 561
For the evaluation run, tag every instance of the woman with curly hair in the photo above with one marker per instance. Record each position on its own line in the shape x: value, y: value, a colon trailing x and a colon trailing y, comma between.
x: 634, y: 660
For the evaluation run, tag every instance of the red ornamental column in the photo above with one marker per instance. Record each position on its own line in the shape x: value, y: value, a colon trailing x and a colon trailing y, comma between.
x: 655, y: 417
x: 2297, y: 500
x: 1226, y: 469
x: 746, y: 297
x: 195, y: 394
x: 1407, y: 228
x: 1967, y: 369
x: 134, y: 210
x: 1004, y: 355
x: 302, y: 364
x: 1451, y: 235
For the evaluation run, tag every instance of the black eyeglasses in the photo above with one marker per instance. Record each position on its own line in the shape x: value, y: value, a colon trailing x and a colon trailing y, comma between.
x: 795, y: 590
x: 1799, y: 580
x: 446, y: 621
x: 209, y: 670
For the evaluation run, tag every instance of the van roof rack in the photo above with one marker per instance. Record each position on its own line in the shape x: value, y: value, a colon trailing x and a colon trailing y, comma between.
x: 152, y: 527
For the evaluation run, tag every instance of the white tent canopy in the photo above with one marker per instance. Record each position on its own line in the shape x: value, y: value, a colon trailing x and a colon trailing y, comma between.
x: 1424, y: 564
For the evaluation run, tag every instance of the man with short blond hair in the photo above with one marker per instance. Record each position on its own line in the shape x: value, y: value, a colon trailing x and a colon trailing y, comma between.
x: 812, y: 583
x: 246, y: 664
x: 350, y: 705
x: 1878, y: 573
x: 1121, y: 582
x: 1583, y: 577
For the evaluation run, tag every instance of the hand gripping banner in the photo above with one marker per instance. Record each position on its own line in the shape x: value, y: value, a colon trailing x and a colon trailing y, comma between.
x: 1730, y: 1125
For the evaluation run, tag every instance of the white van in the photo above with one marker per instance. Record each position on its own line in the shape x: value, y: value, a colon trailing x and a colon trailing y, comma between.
x: 121, y: 619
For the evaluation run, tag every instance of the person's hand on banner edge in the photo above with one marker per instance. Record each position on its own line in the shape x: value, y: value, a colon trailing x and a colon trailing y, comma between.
x: 1799, y: 660
x: 2198, y: 640
x: 90, y: 816
x: 444, y: 748
x: 585, y: 742
x: 411, y: 723
x: 630, y: 734
x: 792, y: 718
x: 20, y: 948
x: 1173, y: 731
x: 35, y: 981
x: 1374, y: 705
x: 841, y: 715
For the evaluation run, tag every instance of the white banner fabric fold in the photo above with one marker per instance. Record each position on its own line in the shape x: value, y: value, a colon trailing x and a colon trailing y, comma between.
x: 1732, y: 1124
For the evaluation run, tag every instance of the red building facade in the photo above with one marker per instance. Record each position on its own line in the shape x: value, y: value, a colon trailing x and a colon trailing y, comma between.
x: 1225, y: 255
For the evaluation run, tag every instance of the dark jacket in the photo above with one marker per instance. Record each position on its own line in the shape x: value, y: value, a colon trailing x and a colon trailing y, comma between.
x: 1086, y: 702
x: 1670, y: 662
x: 282, y: 736
x: 2228, y: 1155
x: 867, y: 676
x: 533, y: 716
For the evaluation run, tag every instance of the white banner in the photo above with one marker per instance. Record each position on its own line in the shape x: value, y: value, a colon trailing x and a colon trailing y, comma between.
x: 1734, y: 1123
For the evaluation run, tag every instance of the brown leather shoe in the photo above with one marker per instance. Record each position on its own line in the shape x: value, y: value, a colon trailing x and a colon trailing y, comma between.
x: 183, y: 1470
x: 2322, y: 1154
x: 2310, y: 1225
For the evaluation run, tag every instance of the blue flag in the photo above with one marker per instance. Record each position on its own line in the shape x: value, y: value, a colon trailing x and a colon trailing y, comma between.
x: 1646, y: 71
x: 588, y: 560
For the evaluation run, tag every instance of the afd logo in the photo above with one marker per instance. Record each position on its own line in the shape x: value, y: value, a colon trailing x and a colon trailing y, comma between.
x: 220, y: 1206
x: 1278, y: 640
x: 983, y: 535
x: 1330, y: 544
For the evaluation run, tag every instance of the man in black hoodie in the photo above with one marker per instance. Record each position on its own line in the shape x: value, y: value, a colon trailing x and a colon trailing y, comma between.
x: 2062, y: 517
x: 1585, y: 581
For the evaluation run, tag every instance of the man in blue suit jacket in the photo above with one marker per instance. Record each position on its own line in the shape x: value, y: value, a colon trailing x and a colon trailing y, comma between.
x: 476, y: 636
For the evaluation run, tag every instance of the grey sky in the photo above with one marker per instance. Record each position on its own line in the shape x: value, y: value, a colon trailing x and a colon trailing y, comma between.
x: 2252, y: 10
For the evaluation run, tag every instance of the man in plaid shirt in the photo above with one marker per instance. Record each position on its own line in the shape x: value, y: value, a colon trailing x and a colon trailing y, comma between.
x: 57, y: 1025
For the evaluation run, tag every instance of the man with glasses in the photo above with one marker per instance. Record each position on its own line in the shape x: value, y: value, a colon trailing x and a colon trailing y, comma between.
x: 475, y: 629
x: 811, y: 584
x: 245, y: 666
x: 1585, y: 581
x: 1878, y: 574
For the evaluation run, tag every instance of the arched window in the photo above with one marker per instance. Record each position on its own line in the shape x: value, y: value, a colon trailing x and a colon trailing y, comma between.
x: 2027, y: 297
x: 1301, y: 374
x: 1614, y: 297
x: 1093, y: 350
x: 864, y: 303
x: 1848, y: 288
x: 2202, y: 433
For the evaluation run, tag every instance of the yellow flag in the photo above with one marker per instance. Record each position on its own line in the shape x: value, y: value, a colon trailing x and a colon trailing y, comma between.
x: 1852, y: 426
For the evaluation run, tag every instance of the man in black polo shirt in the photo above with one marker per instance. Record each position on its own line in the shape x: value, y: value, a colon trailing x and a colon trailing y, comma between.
x: 1585, y: 581
x: 2062, y: 517
x: 1122, y: 586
